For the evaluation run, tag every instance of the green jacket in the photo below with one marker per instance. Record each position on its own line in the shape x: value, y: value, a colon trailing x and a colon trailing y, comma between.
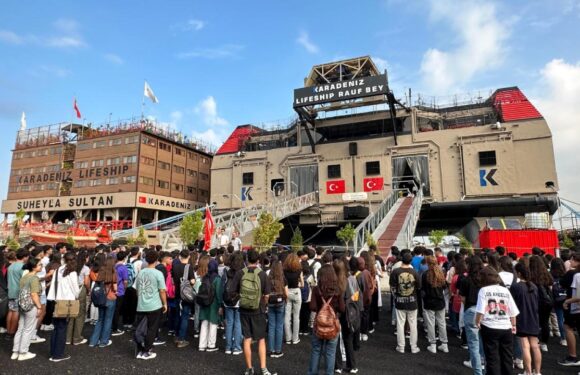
x: 211, y: 312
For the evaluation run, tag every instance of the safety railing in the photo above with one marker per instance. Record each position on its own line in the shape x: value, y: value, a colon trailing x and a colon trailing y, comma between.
x: 372, y: 221
x: 410, y: 224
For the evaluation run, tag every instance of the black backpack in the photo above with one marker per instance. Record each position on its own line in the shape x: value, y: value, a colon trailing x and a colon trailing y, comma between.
x: 558, y: 293
x: 546, y: 299
x: 231, y: 297
x: 99, y: 294
x: 206, y: 292
x: 352, y: 311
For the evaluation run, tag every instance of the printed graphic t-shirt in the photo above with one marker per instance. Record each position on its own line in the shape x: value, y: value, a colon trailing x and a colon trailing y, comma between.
x: 496, y: 304
x: 405, y: 283
x: 149, y: 282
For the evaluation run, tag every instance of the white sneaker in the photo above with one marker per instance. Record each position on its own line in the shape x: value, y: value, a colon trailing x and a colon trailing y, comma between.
x: 415, y: 350
x: 26, y: 356
x: 364, y: 337
x: 37, y: 340
x: 82, y: 342
x: 14, y: 356
x: 3, y: 330
x: 443, y: 348
x: 432, y: 348
x: 564, y: 342
x: 544, y: 347
x: 49, y: 327
x: 400, y: 350
x: 519, y: 363
x: 467, y: 364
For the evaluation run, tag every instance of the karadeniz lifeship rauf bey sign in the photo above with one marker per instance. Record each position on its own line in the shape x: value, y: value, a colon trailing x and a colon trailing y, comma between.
x: 343, y: 90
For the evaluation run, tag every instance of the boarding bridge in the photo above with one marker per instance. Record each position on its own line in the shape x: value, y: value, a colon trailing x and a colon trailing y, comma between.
x: 393, y: 223
x: 244, y: 220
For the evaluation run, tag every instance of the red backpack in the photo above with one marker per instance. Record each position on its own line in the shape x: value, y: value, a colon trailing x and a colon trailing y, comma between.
x: 326, y: 325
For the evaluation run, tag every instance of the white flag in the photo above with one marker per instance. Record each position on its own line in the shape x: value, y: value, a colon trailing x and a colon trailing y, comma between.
x: 149, y: 93
x: 23, y: 121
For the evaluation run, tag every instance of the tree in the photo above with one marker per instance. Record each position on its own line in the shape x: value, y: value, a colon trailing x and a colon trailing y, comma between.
x: 190, y: 228
x: 12, y: 244
x: 17, y: 223
x: 346, y: 234
x: 567, y: 242
x: 297, y: 240
x: 464, y: 243
x: 369, y: 239
x: 70, y: 240
x: 267, y: 231
x: 436, y: 236
x: 141, y: 240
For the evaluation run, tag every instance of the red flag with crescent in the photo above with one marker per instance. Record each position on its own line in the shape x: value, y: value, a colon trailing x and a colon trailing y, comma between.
x: 335, y: 187
x: 372, y: 184
x: 209, y: 228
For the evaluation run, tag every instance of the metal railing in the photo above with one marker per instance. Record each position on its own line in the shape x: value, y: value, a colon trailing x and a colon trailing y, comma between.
x: 411, y: 221
x: 372, y: 221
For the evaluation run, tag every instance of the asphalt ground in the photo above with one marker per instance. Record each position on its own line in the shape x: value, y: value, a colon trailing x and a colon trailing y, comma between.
x: 377, y: 356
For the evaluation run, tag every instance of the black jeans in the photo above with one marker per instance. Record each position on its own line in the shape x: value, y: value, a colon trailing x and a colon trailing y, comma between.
x: 153, y: 321
x: 365, y: 320
x: 348, y: 339
x: 129, y: 305
x: 118, y: 312
x: 58, y: 338
x: 498, y: 348
x: 305, y: 318
x: 544, y: 323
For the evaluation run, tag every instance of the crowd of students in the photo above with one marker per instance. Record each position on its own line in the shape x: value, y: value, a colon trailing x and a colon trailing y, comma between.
x: 504, y: 309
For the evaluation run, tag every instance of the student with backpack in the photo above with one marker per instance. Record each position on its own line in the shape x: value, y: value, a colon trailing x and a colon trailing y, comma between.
x: 122, y: 283
x: 327, y: 303
x: 276, y: 309
x: 130, y: 300
x: 183, y: 277
x: 231, y: 300
x: 104, y: 297
x: 30, y: 310
x: 557, y: 270
x: 209, y: 298
x: 350, y: 320
x: 253, y: 287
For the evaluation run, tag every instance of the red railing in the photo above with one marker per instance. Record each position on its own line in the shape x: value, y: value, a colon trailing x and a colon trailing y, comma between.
x: 111, y: 225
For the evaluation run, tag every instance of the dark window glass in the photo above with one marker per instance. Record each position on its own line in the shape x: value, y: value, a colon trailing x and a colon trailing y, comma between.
x: 248, y: 178
x: 487, y: 158
x: 334, y: 171
x: 373, y: 168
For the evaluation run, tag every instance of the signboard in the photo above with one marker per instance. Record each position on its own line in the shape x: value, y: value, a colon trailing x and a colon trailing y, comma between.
x: 159, y: 202
x: 73, y: 202
x: 343, y: 90
x: 360, y: 196
x: 67, y: 175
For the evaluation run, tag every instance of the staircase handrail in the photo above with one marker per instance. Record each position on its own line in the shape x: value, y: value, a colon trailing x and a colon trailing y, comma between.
x: 411, y: 221
x: 373, y: 220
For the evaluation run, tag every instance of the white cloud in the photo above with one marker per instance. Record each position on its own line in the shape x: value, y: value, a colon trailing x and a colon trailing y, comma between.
x: 10, y: 37
x: 52, y: 70
x: 113, y: 58
x: 207, y: 110
x: 304, y: 41
x: 381, y: 64
x: 65, y: 42
x: 68, y: 36
x: 195, y: 25
x: 481, y: 37
x: 560, y: 87
x: 225, y: 51
x: 176, y: 117
x: 211, y: 136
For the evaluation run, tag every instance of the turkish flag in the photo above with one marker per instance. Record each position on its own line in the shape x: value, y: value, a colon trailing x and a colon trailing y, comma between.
x: 209, y: 228
x: 335, y: 187
x: 374, y: 183
x: 76, y: 108
x: 142, y: 199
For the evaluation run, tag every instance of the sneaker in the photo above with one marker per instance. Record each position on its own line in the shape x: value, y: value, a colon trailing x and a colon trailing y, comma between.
x: 237, y: 352
x: 14, y: 356
x: 3, y: 330
x: 249, y: 371
x: 415, y: 350
x: 182, y: 344
x: 364, y: 337
x: 228, y: 352
x: 37, y: 340
x: 564, y: 342
x: 59, y: 359
x: 147, y: 355
x: 544, y: 347
x: 158, y: 341
x: 170, y: 333
x: 432, y: 348
x: 26, y: 356
x: 288, y: 342
x: 278, y: 355
x: 443, y: 348
x: 117, y: 332
x: 214, y: 349
x: 109, y: 343
x: 338, y: 370
x: 48, y: 327
x: 372, y: 331
x: 467, y: 364
x: 519, y: 363
x: 271, y: 354
x: 265, y: 371
x: 82, y: 342
x: 196, y: 335
x: 569, y: 361
x: 400, y: 350
x: 202, y: 349
x: 464, y: 346
x: 296, y: 342
x: 353, y: 370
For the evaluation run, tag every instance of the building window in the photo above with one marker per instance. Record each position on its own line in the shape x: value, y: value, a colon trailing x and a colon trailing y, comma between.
x: 114, y: 161
x: 113, y: 181
x: 163, y: 165
x: 95, y: 182
x: 191, y: 190
x: 129, y: 179
x: 147, y: 161
x: 99, y: 144
x: 132, y: 139
x: 84, y: 146
x: 130, y: 159
x: 13, y: 189
x: 487, y: 158
x: 191, y: 155
x: 373, y: 168
x: 164, y: 147
x: 81, y: 164
x: 97, y: 163
x: 178, y: 169
x: 39, y: 187
x: 203, y: 193
x: 56, y: 150
x: 162, y: 184
x: 334, y: 171
x: 203, y: 176
x: 52, y: 186
x: 148, y: 141
x: 178, y: 151
x: 177, y: 187
x: 146, y: 181
x: 16, y: 172
x: 115, y: 142
x: 25, y: 188
x: 248, y: 178
x: 81, y: 183
x: 204, y: 160
x: 191, y: 173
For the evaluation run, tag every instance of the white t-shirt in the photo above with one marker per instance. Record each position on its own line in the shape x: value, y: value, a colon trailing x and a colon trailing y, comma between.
x: 224, y: 240
x: 575, y: 307
x: 507, y: 278
x: 237, y: 244
x: 496, y: 304
x: 85, y: 272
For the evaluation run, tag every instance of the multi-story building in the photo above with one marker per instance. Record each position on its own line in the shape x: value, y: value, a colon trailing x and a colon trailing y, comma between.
x: 134, y: 170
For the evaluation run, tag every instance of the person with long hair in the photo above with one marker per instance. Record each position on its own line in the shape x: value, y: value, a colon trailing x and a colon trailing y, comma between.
x: 295, y: 280
x: 373, y: 307
x: 540, y: 276
x: 459, y: 271
x: 496, y: 314
x: 469, y: 291
x: 28, y: 319
x: 558, y: 270
x: 64, y: 286
x: 571, y: 282
x: 277, y: 302
x: 102, y: 331
x: 232, y: 305
x: 75, y: 325
x: 209, y: 316
x: 53, y: 265
x: 506, y: 271
x: 326, y: 291
x: 351, y: 293
x: 526, y: 296
x: 433, y: 285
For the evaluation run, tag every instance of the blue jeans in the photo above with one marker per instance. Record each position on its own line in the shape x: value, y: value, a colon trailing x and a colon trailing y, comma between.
x: 275, y: 327
x: 473, y: 341
x: 58, y: 338
x: 102, y: 331
x: 560, y: 317
x: 322, y: 349
x: 233, y: 329
x: 183, y: 321
x: 173, y: 322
